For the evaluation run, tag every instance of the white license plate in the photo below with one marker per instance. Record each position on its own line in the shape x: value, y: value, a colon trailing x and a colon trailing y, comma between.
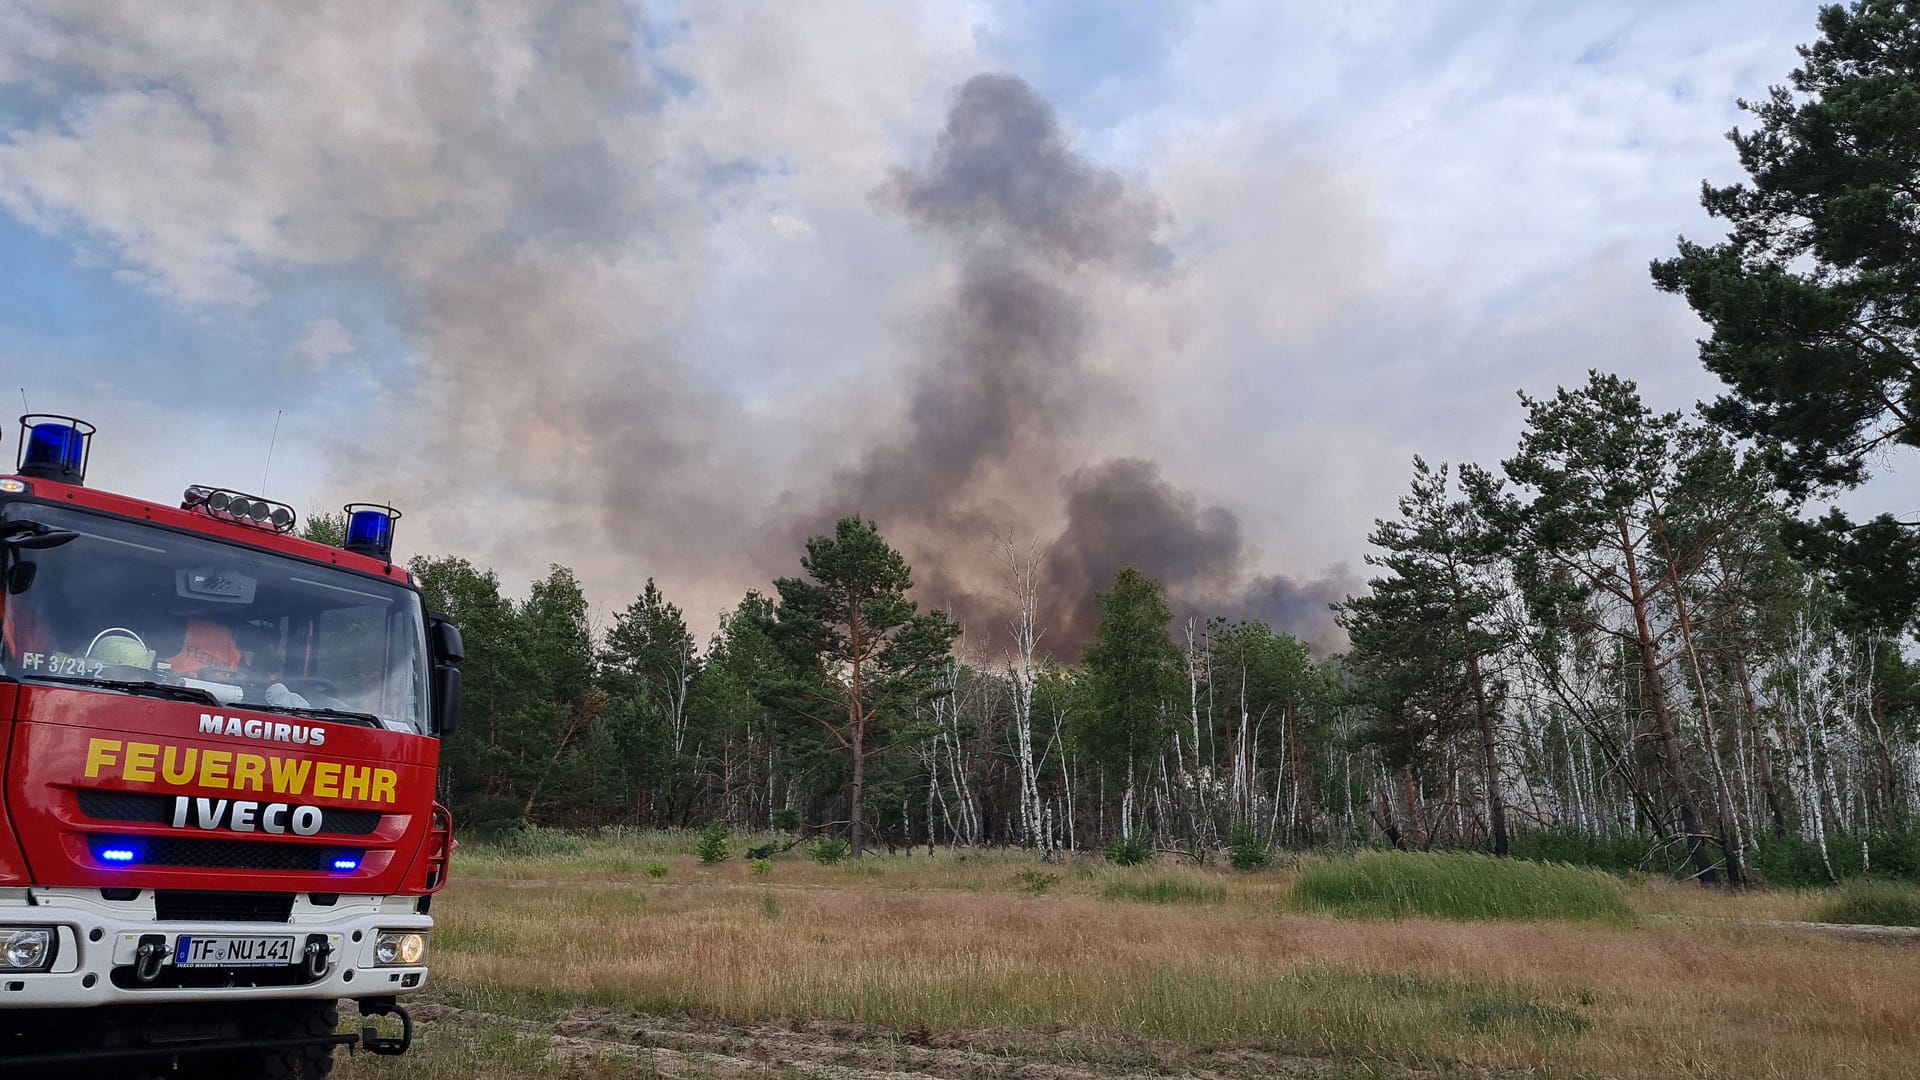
x: 224, y: 950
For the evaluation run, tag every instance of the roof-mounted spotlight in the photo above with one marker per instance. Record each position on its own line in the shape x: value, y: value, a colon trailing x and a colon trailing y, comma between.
x: 54, y: 448
x: 238, y: 507
x: 370, y: 529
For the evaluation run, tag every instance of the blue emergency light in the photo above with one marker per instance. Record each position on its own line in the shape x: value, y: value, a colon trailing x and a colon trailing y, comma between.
x: 346, y: 865
x: 116, y: 855
x: 54, y: 448
x: 370, y: 529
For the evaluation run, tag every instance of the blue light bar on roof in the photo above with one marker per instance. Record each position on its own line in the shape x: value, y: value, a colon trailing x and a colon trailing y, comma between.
x: 370, y: 529
x: 54, y: 448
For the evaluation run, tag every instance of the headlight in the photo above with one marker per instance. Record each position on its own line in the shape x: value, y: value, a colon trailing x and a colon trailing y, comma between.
x: 399, y: 948
x: 26, y: 949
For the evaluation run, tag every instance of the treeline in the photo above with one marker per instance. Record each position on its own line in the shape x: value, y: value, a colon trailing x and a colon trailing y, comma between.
x: 1603, y: 652
x: 1628, y: 643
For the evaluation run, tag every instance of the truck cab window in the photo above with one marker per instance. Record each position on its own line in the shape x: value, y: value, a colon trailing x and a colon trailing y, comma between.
x: 131, y: 603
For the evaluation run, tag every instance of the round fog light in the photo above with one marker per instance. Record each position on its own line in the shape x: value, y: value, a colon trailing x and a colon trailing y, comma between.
x: 27, y: 950
x: 413, y: 948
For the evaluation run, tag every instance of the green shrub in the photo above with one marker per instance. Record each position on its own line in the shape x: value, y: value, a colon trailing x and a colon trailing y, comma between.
x: 656, y: 870
x: 1037, y: 882
x: 1395, y: 884
x: 1875, y: 903
x: 1247, y: 851
x: 1165, y: 890
x: 1793, y: 862
x: 829, y: 850
x: 1135, y: 850
x: 712, y: 847
x: 764, y: 851
x: 786, y: 819
x: 523, y: 838
x: 761, y: 867
x: 1619, y: 853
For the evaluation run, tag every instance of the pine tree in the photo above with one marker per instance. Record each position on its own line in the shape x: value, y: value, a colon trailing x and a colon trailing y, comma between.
x: 862, y: 652
x: 1431, y: 618
x: 1134, y: 671
x: 1812, y: 296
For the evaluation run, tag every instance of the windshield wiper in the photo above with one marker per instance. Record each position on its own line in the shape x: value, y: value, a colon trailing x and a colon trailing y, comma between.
x: 132, y: 686
x: 317, y: 713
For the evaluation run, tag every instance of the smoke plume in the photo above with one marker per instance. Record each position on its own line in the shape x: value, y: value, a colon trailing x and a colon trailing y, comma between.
x: 536, y: 208
x: 997, y: 437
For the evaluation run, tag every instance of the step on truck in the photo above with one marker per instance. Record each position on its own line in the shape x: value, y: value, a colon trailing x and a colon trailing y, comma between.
x: 219, y: 747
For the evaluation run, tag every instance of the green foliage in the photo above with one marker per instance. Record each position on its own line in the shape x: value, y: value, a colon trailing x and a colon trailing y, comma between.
x: 713, y: 845
x: 1037, y: 882
x: 1247, y: 850
x: 1394, y: 885
x: 1874, y: 903
x: 1795, y: 862
x: 1810, y: 296
x: 786, y: 819
x: 760, y: 867
x: 859, y: 654
x: 1573, y: 847
x: 770, y: 907
x: 1133, y: 670
x: 1530, y: 1015
x: 325, y: 527
x: 524, y: 839
x: 1164, y: 890
x: 1135, y: 850
x: 830, y: 850
x: 656, y: 871
x: 1424, y: 632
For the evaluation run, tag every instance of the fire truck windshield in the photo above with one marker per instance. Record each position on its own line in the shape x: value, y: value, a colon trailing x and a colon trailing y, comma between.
x: 144, y: 609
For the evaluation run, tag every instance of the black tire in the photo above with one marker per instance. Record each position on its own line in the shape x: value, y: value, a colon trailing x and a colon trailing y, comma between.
x: 286, y: 1020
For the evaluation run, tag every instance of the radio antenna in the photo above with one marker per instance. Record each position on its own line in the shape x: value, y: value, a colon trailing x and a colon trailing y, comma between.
x: 270, y: 444
x: 23, y: 400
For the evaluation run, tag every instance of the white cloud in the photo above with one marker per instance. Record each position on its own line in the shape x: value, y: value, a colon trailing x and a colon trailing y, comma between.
x: 321, y: 343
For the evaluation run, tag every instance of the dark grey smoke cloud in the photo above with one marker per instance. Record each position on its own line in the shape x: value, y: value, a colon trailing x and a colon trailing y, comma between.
x: 997, y: 439
x: 1123, y: 512
x: 1003, y: 173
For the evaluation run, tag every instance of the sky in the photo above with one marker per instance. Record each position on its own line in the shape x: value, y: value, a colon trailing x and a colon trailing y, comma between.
x: 658, y: 290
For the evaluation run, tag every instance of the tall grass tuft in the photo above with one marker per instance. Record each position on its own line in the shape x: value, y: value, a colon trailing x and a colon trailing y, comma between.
x: 1875, y: 903
x: 1164, y: 890
x: 1395, y: 884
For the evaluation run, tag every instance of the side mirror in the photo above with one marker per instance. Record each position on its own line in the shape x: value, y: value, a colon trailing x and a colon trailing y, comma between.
x: 33, y: 534
x: 446, y: 699
x: 20, y: 576
x: 444, y: 639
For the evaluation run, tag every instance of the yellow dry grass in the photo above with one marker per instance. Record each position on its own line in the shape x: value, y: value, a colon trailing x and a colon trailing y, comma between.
x: 907, y: 944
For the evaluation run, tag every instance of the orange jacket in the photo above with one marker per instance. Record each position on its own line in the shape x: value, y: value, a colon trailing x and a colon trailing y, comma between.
x: 208, y: 645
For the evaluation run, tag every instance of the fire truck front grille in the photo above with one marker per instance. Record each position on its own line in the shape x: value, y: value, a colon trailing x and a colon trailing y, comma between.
x: 234, y: 854
x: 126, y: 806
x: 182, y: 905
x: 158, y: 810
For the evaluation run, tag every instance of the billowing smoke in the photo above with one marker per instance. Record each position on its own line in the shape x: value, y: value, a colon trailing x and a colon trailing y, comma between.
x: 539, y: 212
x: 997, y: 441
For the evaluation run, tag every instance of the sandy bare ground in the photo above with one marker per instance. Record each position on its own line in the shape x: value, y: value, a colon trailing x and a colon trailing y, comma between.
x: 833, y: 1050
x: 1878, y: 935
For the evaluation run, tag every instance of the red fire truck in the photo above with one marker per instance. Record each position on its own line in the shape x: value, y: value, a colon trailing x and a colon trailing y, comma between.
x: 220, y: 745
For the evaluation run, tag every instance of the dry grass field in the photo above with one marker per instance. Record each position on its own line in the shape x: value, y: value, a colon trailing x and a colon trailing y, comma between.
x: 587, y: 964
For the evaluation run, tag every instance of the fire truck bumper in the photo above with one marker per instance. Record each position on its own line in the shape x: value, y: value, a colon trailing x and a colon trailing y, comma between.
x: 118, y: 953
